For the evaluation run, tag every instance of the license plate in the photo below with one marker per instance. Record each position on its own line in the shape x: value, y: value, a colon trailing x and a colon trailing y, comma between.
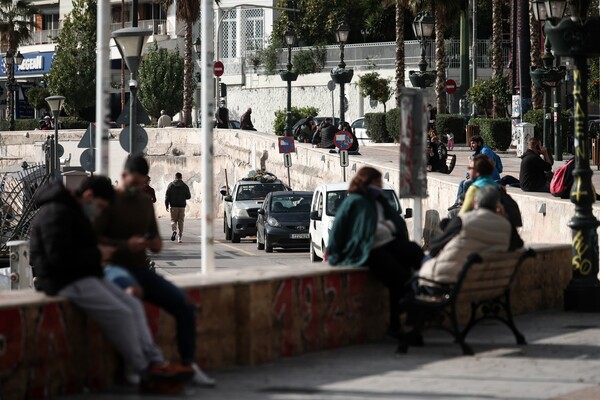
x: 300, y: 236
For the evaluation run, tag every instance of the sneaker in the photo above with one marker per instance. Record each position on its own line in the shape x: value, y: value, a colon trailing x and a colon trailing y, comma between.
x: 173, y: 236
x: 201, y: 379
x: 179, y: 239
x: 131, y: 376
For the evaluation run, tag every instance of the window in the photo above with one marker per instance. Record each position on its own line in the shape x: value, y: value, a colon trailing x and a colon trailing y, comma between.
x: 257, y: 191
x: 334, y: 200
x: 255, y: 31
x: 229, y: 34
x: 291, y: 204
x: 50, y: 22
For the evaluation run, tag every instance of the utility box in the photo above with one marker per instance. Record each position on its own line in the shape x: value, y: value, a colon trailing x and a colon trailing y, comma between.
x: 72, y: 179
x: 523, y: 132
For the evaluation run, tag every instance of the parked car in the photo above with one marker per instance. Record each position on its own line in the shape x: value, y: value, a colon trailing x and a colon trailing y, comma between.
x: 283, y: 221
x: 326, y: 201
x: 241, y: 205
x: 360, y: 131
x: 234, y: 124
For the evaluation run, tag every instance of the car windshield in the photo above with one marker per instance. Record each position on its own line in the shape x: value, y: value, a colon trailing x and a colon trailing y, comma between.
x: 335, y: 198
x: 257, y: 191
x: 298, y: 203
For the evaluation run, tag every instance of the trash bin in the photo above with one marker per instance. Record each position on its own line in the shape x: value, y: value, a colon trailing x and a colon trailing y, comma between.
x: 523, y: 132
x: 472, y: 130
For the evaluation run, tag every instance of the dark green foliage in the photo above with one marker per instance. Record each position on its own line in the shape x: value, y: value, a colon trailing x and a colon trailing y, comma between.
x: 454, y: 122
x: 376, y: 128
x: 536, y: 117
x: 32, y: 124
x: 310, y: 61
x: 484, y: 90
x: 73, y: 123
x: 373, y: 86
x: 496, y: 132
x: 73, y: 72
x: 297, y: 113
x: 393, y: 120
x: 37, y: 97
x: 161, y: 81
x: 268, y: 57
x: 21, y: 124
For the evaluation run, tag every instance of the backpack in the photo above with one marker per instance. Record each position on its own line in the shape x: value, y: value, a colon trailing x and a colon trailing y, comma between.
x: 561, y: 182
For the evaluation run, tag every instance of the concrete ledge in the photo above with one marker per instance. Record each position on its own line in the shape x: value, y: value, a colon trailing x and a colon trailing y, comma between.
x: 47, y: 347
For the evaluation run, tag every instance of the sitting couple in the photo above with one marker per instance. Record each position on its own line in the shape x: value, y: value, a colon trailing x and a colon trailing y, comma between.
x: 367, y: 231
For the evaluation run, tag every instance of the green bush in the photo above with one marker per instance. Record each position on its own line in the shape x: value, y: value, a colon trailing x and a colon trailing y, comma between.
x: 73, y: 123
x: 297, y: 113
x: 454, y: 122
x: 310, y: 61
x: 496, y: 132
x: 21, y: 125
x: 536, y: 117
x: 376, y: 128
x: 393, y: 120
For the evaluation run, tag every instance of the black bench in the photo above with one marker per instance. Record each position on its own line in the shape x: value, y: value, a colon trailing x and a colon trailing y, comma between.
x: 484, y: 282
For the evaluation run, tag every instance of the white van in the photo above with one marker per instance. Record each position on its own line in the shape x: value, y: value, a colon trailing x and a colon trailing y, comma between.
x: 326, y: 200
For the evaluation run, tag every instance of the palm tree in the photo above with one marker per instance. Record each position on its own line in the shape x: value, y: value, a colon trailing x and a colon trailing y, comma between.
x: 537, y: 94
x: 497, y: 60
x: 400, y: 67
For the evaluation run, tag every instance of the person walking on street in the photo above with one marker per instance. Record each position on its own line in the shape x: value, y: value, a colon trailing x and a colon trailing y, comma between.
x: 130, y: 225
x: 67, y: 262
x: 246, y: 121
x: 164, y: 121
x: 176, y: 199
x: 149, y: 190
x: 367, y: 231
x: 222, y: 116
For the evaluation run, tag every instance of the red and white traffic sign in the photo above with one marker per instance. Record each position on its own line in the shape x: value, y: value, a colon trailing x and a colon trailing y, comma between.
x: 219, y: 68
x: 286, y: 144
x: 450, y: 86
x: 343, y: 140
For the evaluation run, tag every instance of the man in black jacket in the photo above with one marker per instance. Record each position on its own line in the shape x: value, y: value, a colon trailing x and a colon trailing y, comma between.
x: 67, y: 260
x: 532, y: 176
x: 178, y: 193
x: 328, y: 132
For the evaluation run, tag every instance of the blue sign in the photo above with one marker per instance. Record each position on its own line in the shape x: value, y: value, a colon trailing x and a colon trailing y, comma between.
x: 33, y: 64
x: 23, y: 108
x: 343, y: 140
x: 286, y: 144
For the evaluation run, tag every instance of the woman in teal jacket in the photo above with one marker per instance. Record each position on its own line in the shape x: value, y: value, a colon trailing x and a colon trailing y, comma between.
x: 368, y: 231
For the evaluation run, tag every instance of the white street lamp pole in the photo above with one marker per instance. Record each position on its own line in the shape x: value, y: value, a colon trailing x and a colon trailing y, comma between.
x: 102, y: 87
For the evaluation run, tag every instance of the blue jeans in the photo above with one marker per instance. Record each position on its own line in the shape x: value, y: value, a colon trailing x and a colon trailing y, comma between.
x: 463, y: 186
x: 163, y: 294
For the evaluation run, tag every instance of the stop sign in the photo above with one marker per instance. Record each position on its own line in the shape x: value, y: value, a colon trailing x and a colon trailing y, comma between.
x: 218, y: 68
x: 450, y: 86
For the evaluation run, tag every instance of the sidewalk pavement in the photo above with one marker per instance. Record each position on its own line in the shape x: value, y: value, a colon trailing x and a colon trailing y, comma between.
x: 561, y: 361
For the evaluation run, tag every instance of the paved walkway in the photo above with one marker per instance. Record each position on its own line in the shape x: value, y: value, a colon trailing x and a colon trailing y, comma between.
x: 561, y: 361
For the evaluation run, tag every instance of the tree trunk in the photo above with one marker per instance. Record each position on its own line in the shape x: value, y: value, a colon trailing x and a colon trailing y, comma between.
x: 400, y: 77
x: 497, y: 61
x: 537, y: 95
x: 188, y: 71
x: 440, y: 62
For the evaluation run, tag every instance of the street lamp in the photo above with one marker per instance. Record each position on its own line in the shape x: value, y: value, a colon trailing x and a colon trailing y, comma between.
x: 423, y: 26
x: 130, y: 42
x: 11, y: 60
x: 548, y: 77
x: 289, y: 76
x: 576, y: 37
x: 55, y: 103
x: 341, y: 75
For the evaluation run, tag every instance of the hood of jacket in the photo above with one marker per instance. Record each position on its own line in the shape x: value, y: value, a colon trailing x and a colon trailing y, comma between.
x: 54, y: 193
x: 178, y: 183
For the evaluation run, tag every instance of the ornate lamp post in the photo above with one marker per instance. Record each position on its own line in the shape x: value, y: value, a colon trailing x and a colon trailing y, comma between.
x: 56, y: 103
x: 577, y: 37
x: 12, y: 60
x: 423, y: 26
x: 130, y: 42
x: 341, y: 75
x: 289, y: 76
x: 548, y: 77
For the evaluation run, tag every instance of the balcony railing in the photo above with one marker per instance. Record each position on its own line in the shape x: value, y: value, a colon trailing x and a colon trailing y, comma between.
x: 42, y: 37
x: 157, y: 26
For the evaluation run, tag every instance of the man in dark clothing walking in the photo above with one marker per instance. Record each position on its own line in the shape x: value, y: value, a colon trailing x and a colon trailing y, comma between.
x: 246, y: 121
x: 328, y: 132
x: 176, y: 199
x: 66, y: 260
x: 222, y: 116
x: 532, y: 176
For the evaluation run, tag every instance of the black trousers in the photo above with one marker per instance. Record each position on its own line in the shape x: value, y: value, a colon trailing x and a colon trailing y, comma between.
x: 393, y: 265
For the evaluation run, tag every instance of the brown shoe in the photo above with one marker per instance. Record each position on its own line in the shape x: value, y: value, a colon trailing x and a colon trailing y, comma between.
x: 170, y: 371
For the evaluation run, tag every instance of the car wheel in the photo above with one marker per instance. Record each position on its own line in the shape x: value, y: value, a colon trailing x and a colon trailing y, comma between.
x: 259, y: 245
x: 227, y: 231
x: 268, y: 245
x: 235, y: 238
x: 313, y: 255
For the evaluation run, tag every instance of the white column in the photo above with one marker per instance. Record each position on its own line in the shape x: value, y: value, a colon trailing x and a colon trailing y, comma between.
x: 102, y: 86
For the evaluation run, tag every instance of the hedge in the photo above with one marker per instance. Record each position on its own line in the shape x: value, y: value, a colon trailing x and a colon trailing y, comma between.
x: 455, y: 123
x: 496, y: 132
x: 536, y: 117
x: 297, y: 114
x: 376, y: 128
x: 32, y: 124
x: 393, y: 120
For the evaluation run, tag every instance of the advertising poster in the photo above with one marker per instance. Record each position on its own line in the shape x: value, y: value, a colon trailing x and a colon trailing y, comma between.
x: 413, y: 145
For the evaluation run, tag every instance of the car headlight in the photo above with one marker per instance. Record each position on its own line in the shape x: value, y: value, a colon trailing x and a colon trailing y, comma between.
x: 273, y: 222
x: 240, y: 212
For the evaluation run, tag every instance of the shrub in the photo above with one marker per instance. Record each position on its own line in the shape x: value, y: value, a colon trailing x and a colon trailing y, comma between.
x: 376, y: 128
x: 21, y: 125
x: 373, y: 86
x: 454, y: 122
x: 310, y: 61
x: 536, y: 117
x: 393, y: 120
x: 37, y: 97
x: 297, y: 113
x: 73, y: 123
x: 496, y: 132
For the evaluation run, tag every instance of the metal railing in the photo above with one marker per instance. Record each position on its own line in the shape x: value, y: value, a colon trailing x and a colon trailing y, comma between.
x: 383, y: 56
x: 157, y: 26
x: 42, y: 37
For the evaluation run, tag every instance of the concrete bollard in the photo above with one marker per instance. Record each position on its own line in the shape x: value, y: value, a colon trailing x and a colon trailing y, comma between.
x: 21, y: 276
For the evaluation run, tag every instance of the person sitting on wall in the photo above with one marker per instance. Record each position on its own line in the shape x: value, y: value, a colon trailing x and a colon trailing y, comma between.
x: 533, y: 176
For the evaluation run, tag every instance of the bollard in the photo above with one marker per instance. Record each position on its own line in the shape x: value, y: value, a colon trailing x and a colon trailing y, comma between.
x: 21, y: 276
